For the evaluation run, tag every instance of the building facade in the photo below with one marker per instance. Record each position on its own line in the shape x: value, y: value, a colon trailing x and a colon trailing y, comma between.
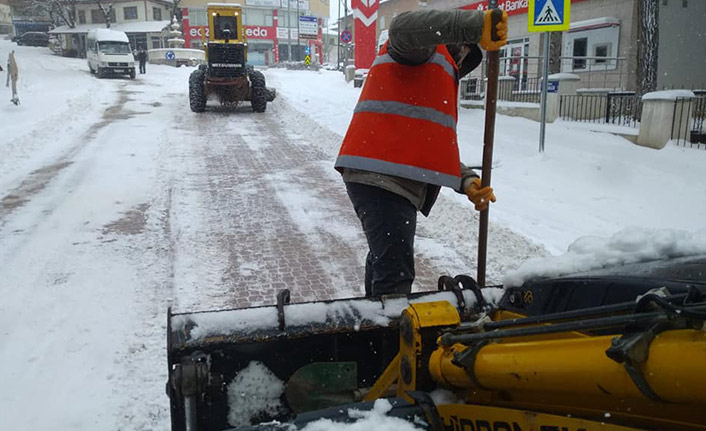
x: 144, y: 22
x: 271, y: 27
x: 5, y: 17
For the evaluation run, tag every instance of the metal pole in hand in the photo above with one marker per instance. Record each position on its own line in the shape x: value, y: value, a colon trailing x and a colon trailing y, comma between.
x: 491, y: 96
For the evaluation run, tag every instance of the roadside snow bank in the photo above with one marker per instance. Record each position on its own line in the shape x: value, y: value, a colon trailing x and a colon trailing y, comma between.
x: 375, y: 419
x: 631, y: 245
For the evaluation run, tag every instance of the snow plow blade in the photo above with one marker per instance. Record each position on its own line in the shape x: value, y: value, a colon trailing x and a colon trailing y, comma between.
x: 324, y: 350
x: 607, y: 350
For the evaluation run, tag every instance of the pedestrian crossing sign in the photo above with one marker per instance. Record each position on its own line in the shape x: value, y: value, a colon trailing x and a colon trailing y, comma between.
x: 548, y: 15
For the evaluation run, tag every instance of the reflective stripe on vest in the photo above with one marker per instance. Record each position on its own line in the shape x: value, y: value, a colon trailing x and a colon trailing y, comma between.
x: 399, y: 170
x: 406, y: 110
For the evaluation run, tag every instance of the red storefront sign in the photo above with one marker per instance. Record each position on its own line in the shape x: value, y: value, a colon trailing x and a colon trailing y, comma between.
x: 512, y: 7
x: 256, y: 32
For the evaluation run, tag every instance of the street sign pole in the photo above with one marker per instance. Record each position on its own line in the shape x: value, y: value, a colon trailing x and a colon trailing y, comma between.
x: 545, y: 86
x: 547, y: 16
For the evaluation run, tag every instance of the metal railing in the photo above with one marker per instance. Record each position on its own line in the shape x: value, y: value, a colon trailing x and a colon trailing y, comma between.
x: 605, y: 73
x: 688, y: 121
x: 622, y: 108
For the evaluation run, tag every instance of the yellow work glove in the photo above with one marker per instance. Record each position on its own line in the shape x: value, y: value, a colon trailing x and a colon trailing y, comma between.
x: 480, y: 196
x: 486, y: 41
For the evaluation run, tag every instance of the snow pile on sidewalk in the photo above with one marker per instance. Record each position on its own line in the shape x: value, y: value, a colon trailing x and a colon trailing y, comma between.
x: 627, y: 246
x: 375, y: 419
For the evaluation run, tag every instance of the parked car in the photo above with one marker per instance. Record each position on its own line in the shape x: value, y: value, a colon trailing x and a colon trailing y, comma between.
x: 34, y: 38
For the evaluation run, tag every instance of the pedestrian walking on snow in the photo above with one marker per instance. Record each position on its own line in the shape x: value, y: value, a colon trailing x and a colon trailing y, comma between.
x: 12, y: 77
x: 142, y: 58
x: 401, y: 145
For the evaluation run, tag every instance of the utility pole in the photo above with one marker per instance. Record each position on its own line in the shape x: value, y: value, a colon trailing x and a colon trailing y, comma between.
x: 298, y: 51
x: 289, y: 30
x: 345, y: 27
x: 338, y: 25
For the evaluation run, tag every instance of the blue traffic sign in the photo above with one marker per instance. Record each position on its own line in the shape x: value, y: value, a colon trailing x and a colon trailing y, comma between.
x: 170, y: 55
x: 548, y: 15
x: 307, y: 50
x: 346, y: 36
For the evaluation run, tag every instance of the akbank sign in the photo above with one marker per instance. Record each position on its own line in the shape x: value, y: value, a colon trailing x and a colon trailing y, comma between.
x: 512, y: 7
x: 251, y: 32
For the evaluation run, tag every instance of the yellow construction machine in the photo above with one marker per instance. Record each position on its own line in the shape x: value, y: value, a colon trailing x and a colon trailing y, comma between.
x: 616, y: 349
x: 227, y: 76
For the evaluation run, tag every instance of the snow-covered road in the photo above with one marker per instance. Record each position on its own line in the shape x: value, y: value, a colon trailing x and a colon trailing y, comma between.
x: 117, y: 202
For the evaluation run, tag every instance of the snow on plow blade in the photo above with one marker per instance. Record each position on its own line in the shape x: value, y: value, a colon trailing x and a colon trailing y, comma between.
x: 230, y: 368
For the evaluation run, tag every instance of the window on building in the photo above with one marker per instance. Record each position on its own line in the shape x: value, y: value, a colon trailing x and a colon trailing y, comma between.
x: 268, y: 20
x: 82, y: 17
x: 580, y: 50
x: 157, y: 14
x: 156, y: 42
x: 130, y: 12
x: 595, y: 38
x: 601, y: 50
x: 97, y: 16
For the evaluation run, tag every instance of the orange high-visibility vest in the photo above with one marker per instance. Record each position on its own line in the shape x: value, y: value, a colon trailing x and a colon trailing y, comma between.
x: 405, y: 121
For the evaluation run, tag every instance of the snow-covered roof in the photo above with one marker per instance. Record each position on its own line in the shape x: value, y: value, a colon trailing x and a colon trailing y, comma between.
x: 127, y: 27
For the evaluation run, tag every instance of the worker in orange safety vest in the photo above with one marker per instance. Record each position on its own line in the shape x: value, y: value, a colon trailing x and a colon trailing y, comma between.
x: 401, y: 145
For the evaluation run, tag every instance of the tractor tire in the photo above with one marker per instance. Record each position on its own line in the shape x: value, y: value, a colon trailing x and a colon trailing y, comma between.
x: 197, y: 91
x: 258, y: 91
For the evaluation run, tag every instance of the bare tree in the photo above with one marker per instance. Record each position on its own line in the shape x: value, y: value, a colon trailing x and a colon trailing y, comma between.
x: 106, y: 8
x: 648, y: 45
x: 61, y: 12
x: 176, y: 10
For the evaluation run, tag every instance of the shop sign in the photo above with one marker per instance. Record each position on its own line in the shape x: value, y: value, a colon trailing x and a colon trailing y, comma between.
x: 308, y: 27
x: 512, y: 7
x: 258, y: 32
x: 282, y: 33
x: 198, y: 32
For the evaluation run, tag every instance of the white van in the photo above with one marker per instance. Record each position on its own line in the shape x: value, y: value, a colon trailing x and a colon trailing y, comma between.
x: 108, y: 53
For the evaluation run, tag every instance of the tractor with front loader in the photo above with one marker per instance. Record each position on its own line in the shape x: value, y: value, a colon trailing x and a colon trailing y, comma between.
x: 226, y: 75
x: 609, y: 350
